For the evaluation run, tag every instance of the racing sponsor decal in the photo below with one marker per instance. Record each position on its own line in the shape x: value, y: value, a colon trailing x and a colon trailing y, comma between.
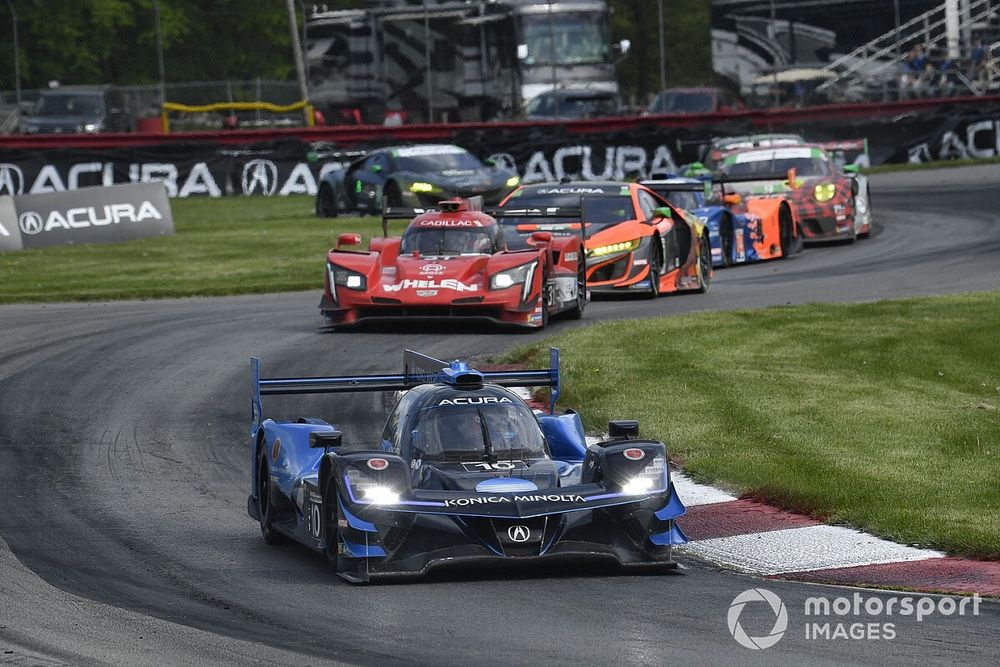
x: 475, y: 400
x: 447, y: 283
x: 425, y: 150
x: 777, y: 154
x: 498, y: 465
x: 432, y: 269
x: 276, y: 449
x: 315, y: 519
x: 570, y: 191
x: 87, y: 216
x: 439, y: 223
x: 519, y: 533
x: 634, y: 454
x: 533, y: 498
x: 426, y: 292
x: 378, y: 464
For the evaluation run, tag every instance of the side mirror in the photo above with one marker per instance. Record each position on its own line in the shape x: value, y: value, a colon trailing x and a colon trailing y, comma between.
x: 732, y: 199
x: 325, y: 439
x: 490, y: 162
x: 376, y: 168
x: 663, y: 212
x: 541, y: 238
x: 347, y: 240
x: 623, y: 428
x: 852, y: 168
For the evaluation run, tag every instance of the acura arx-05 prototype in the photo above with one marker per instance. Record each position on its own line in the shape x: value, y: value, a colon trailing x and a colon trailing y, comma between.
x: 455, y: 262
x: 635, y: 241
x: 464, y: 472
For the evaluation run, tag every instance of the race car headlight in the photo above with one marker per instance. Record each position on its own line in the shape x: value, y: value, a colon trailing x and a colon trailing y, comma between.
x: 515, y: 276
x: 653, y: 478
x: 370, y: 491
x: 346, y: 278
x: 420, y: 186
x: 612, y: 248
x: 824, y: 191
x: 513, y: 181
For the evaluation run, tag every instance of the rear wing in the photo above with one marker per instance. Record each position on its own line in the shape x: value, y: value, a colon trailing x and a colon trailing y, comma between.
x: 418, y: 369
x: 404, y: 213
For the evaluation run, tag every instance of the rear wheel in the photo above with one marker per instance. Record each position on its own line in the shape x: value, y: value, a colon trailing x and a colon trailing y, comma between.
x: 726, y: 240
x: 576, y: 312
x: 704, y: 264
x: 655, y: 266
x: 326, y: 202
x: 265, y: 502
x: 868, y: 205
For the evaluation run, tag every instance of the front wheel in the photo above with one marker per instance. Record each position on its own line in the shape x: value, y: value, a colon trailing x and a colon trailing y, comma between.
x: 326, y: 202
x: 655, y: 266
x: 331, y: 523
x: 726, y: 234
x: 785, y: 230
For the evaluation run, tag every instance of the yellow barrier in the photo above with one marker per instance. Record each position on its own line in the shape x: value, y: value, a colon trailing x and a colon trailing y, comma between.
x: 237, y: 106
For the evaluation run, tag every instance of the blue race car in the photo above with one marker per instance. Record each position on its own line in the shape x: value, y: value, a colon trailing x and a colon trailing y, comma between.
x: 465, y: 472
x: 733, y: 233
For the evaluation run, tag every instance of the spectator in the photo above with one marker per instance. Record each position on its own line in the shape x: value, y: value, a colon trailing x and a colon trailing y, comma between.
x: 977, y: 59
x: 909, y: 80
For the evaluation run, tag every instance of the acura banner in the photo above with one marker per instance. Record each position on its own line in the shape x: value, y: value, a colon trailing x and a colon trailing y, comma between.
x: 104, y: 214
x: 625, y: 149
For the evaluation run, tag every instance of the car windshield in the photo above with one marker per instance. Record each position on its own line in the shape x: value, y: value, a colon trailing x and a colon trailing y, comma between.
x: 442, y: 162
x: 474, y: 432
x: 803, y: 166
x: 434, y: 241
x: 68, y: 104
x: 565, y: 38
x: 676, y: 102
x: 598, y: 212
x: 684, y: 199
x: 572, y: 106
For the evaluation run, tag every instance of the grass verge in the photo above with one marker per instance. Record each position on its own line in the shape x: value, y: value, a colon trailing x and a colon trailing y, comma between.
x: 881, y: 416
x: 233, y: 245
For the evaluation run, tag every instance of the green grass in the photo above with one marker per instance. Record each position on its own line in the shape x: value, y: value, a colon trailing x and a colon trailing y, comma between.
x: 882, y: 416
x: 233, y: 245
x: 922, y: 166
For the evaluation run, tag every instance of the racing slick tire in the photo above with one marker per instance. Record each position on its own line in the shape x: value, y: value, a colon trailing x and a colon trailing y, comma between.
x: 785, y: 230
x: 326, y: 202
x: 265, y: 508
x: 331, y: 524
x: 576, y: 312
x: 726, y: 233
x: 655, y: 265
x: 704, y: 264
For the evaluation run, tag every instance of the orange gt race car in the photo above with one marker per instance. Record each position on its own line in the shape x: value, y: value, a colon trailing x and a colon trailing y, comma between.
x: 635, y: 241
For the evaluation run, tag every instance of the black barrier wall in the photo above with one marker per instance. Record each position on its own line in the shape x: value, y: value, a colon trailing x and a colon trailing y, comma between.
x: 538, y: 153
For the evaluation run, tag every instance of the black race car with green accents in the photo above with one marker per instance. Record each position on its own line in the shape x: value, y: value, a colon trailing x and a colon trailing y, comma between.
x: 411, y: 176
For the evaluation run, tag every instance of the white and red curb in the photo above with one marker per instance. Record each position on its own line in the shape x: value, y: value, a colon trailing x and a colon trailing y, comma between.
x: 756, y: 538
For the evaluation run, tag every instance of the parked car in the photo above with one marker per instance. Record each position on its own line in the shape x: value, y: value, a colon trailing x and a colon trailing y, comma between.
x: 572, y: 104
x: 694, y: 100
x: 79, y: 110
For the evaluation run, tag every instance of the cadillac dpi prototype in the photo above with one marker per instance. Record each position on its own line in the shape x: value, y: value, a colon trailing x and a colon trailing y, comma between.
x: 464, y: 472
x: 741, y: 230
x: 455, y: 262
x: 829, y: 201
x: 636, y: 241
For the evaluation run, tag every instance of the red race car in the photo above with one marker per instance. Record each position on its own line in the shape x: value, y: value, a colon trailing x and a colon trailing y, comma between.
x: 455, y: 262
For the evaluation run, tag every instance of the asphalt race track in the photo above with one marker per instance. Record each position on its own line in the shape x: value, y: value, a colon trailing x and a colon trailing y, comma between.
x: 124, y: 469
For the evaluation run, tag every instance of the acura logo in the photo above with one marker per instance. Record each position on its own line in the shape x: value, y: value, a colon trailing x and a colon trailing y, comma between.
x: 260, y: 175
x: 11, y: 179
x: 30, y: 222
x: 519, y: 533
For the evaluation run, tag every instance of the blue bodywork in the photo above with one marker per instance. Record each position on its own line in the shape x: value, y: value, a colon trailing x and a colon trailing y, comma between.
x: 570, y: 500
